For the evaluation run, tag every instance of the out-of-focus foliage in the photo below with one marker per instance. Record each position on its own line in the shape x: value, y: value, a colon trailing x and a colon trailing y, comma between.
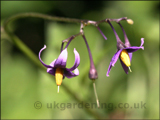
x: 22, y: 84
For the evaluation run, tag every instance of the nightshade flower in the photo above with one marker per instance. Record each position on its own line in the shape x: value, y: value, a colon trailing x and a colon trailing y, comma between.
x: 124, y: 52
x: 58, y: 66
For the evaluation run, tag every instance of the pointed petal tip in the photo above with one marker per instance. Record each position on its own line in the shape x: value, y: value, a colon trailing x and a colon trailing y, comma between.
x: 107, y: 75
x: 48, y: 66
x: 74, y: 49
x: 105, y: 38
x: 142, y: 42
x: 76, y: 52
x: 102, y: 33
x: 44, y: 46
x: 76, y: 72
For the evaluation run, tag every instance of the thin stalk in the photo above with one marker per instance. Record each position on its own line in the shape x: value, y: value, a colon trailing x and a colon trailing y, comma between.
x: 94, y: 87
x: 43, y: 16
x: 71, y: 38
x: 89, y: 111
x: 62, y: 19
x: 92, y: 73
x: 102, y: 33
x: 89, y: 52
x: 118, y: 39
x: 127, y: 43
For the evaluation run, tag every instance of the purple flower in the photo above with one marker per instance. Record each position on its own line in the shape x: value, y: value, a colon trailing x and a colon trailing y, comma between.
x: 124, y: 52
x: 58, y: 66
x: 129, y: 50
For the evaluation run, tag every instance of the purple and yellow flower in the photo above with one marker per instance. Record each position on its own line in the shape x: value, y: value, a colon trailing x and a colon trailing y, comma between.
x: 58, y: 66
x: 124, y: 51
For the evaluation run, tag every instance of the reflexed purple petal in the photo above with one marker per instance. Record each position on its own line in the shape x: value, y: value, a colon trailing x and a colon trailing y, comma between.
x: 102, y: 33
x: 115, y: 57
x: 124, y: 66
x: 48, y: 66
x: 113, y: 61
x: 133, y: 49
x: 62, y: 59
x: 70, y: 74
x: 51, y: 71
x: 109, y: 68
x: 77, y: 61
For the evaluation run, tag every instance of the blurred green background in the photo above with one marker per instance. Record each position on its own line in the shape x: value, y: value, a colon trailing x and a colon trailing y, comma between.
x: 23, y: 83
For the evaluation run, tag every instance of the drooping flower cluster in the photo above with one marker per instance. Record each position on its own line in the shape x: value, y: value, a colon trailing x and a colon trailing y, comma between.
x: 124, y: 53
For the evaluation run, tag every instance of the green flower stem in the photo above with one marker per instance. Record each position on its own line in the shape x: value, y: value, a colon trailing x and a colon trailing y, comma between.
x: 43, y: 16
x: 19, y: 44
x: 62, y: 19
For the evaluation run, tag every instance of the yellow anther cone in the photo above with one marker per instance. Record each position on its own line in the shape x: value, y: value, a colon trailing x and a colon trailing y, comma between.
x: 125, y: 59
x: 59, y: 77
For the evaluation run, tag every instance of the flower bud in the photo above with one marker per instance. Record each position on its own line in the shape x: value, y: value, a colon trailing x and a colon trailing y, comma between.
x: 130, y: 21
x: 93, y: 74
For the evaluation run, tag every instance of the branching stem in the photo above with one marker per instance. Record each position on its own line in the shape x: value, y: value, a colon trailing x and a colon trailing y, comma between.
x: 19, y: 44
